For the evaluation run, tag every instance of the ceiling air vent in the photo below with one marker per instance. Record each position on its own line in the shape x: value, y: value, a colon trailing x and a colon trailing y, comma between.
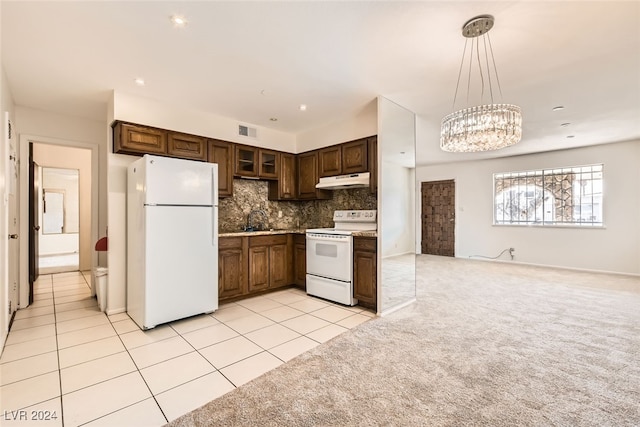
x: 247, y: 131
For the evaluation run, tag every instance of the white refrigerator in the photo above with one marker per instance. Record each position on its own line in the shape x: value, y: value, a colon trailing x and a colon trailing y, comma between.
x: 172, y: 239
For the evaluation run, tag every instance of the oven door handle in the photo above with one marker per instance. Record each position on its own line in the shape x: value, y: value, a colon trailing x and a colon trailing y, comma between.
x: 328, y: 238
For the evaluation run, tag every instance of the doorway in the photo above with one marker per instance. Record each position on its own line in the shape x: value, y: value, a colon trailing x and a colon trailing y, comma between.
x: 438, y: 217
x: 59, y: 211
x: 49, y: 148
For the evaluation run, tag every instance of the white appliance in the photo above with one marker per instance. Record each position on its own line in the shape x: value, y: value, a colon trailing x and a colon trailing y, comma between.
x: 172, y: 239
x: 330, y: 255
x: 353, y: 180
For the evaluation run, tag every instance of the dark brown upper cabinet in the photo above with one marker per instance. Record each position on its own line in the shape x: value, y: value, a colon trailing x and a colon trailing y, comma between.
x: 246, y: 161
x: 330, y: 161
x: 221, y: 152
x: 186, y: 146
x: 350, y: 157
x: 254, y: 162
x: 373, y: 163
x: 268, y: 164
x: 354, y: 156
x: 308, y: 177
x: 129, y: 138
x: 285, y: 188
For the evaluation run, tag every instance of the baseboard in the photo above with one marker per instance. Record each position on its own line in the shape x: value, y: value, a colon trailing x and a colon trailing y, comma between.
x: 560, y: 267
x: 110, y: 312
x: 397, y: 307
x: 400, y: 254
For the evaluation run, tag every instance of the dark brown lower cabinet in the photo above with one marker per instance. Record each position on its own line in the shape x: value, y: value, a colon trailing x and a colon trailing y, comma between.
x: 250, y: 265
x: 300, y: 260
x: 365, y: 271
x: 258, y: 268
x: 268, y: 266
x: 232, y: 267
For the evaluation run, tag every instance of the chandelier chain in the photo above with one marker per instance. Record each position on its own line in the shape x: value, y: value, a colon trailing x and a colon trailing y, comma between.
x: 459, y: 75
x: 486, y: 59
x: 480, y: 71
x: 494, y: 65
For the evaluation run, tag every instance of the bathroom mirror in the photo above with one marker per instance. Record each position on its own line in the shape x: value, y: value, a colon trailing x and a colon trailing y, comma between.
x: 396, y: 206
x: 60, y: 201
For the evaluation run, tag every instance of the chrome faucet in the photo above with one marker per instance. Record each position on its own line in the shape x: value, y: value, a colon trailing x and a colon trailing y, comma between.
x: 250, y: 226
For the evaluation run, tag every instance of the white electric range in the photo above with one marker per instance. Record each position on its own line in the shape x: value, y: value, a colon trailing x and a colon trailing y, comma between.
x: 330, y: 255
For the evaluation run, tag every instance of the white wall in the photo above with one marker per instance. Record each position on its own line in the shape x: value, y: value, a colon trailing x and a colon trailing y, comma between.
x: 54, y: 244
x: 6, y: 105
x: 363, y: 123
x: 55, y: 156
x: 178, y: 118
x: 117, y: 278
x: 614, y: 248
x: 396, y: 209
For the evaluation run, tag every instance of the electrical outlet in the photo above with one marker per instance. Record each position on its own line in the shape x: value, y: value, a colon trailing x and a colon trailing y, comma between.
x: 279, y: 214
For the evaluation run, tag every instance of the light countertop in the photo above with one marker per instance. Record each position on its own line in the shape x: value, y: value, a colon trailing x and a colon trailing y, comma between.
x: 287, y: 231
x: 263, y: 232
x: 365, y: 234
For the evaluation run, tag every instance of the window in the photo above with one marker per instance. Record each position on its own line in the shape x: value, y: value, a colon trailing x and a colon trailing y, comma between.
x: 548, y: 197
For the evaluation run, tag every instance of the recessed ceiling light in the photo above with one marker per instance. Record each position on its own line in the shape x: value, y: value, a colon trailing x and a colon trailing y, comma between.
x: 303, y: 107
x: 139, y: 81
x: 571, y: 136
x: 274, y: 119
x: 558, y: 108
x: 179, y: 21
x: 402, y: 152
x: 564, y: 125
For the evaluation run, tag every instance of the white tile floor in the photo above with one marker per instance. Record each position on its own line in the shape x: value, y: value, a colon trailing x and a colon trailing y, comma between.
x: 64, y: 357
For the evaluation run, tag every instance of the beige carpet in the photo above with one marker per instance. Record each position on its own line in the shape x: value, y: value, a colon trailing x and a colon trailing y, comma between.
x: 486, y: 344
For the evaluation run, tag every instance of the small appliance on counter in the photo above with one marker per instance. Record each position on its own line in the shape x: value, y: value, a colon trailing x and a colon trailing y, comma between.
x: 330, y: 255
x: 172, y: 239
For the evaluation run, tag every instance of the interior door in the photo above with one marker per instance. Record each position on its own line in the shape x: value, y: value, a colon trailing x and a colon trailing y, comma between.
x: 34, y: 221
x: 438, y: 217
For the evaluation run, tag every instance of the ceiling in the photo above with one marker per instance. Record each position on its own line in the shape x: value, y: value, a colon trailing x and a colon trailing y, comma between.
x: 254, y: 61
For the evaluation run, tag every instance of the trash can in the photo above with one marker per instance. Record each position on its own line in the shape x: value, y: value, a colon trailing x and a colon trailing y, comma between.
x: 100, y: 275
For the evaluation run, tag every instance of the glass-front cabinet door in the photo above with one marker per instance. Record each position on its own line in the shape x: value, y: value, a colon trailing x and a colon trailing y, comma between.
x: 246, y: 161
x: 268, y: 164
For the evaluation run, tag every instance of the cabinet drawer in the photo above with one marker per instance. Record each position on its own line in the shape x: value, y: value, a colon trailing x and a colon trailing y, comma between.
x: 229, y: 242
x: 280, y: 239
x: 364, y: 244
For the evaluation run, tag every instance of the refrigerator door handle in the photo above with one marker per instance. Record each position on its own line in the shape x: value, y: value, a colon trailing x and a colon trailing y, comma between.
x: 214, y: 207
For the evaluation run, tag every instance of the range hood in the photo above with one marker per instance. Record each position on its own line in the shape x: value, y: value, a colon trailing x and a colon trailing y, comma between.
x: 353, y: 180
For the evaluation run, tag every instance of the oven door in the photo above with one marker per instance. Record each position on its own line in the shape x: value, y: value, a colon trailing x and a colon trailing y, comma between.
x: 329, y: 255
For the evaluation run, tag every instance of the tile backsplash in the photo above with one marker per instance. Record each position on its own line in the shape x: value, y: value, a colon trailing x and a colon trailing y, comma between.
x: 253, y: 194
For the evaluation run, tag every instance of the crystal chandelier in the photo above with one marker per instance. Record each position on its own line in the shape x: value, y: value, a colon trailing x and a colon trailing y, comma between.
x: 485, y: 127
